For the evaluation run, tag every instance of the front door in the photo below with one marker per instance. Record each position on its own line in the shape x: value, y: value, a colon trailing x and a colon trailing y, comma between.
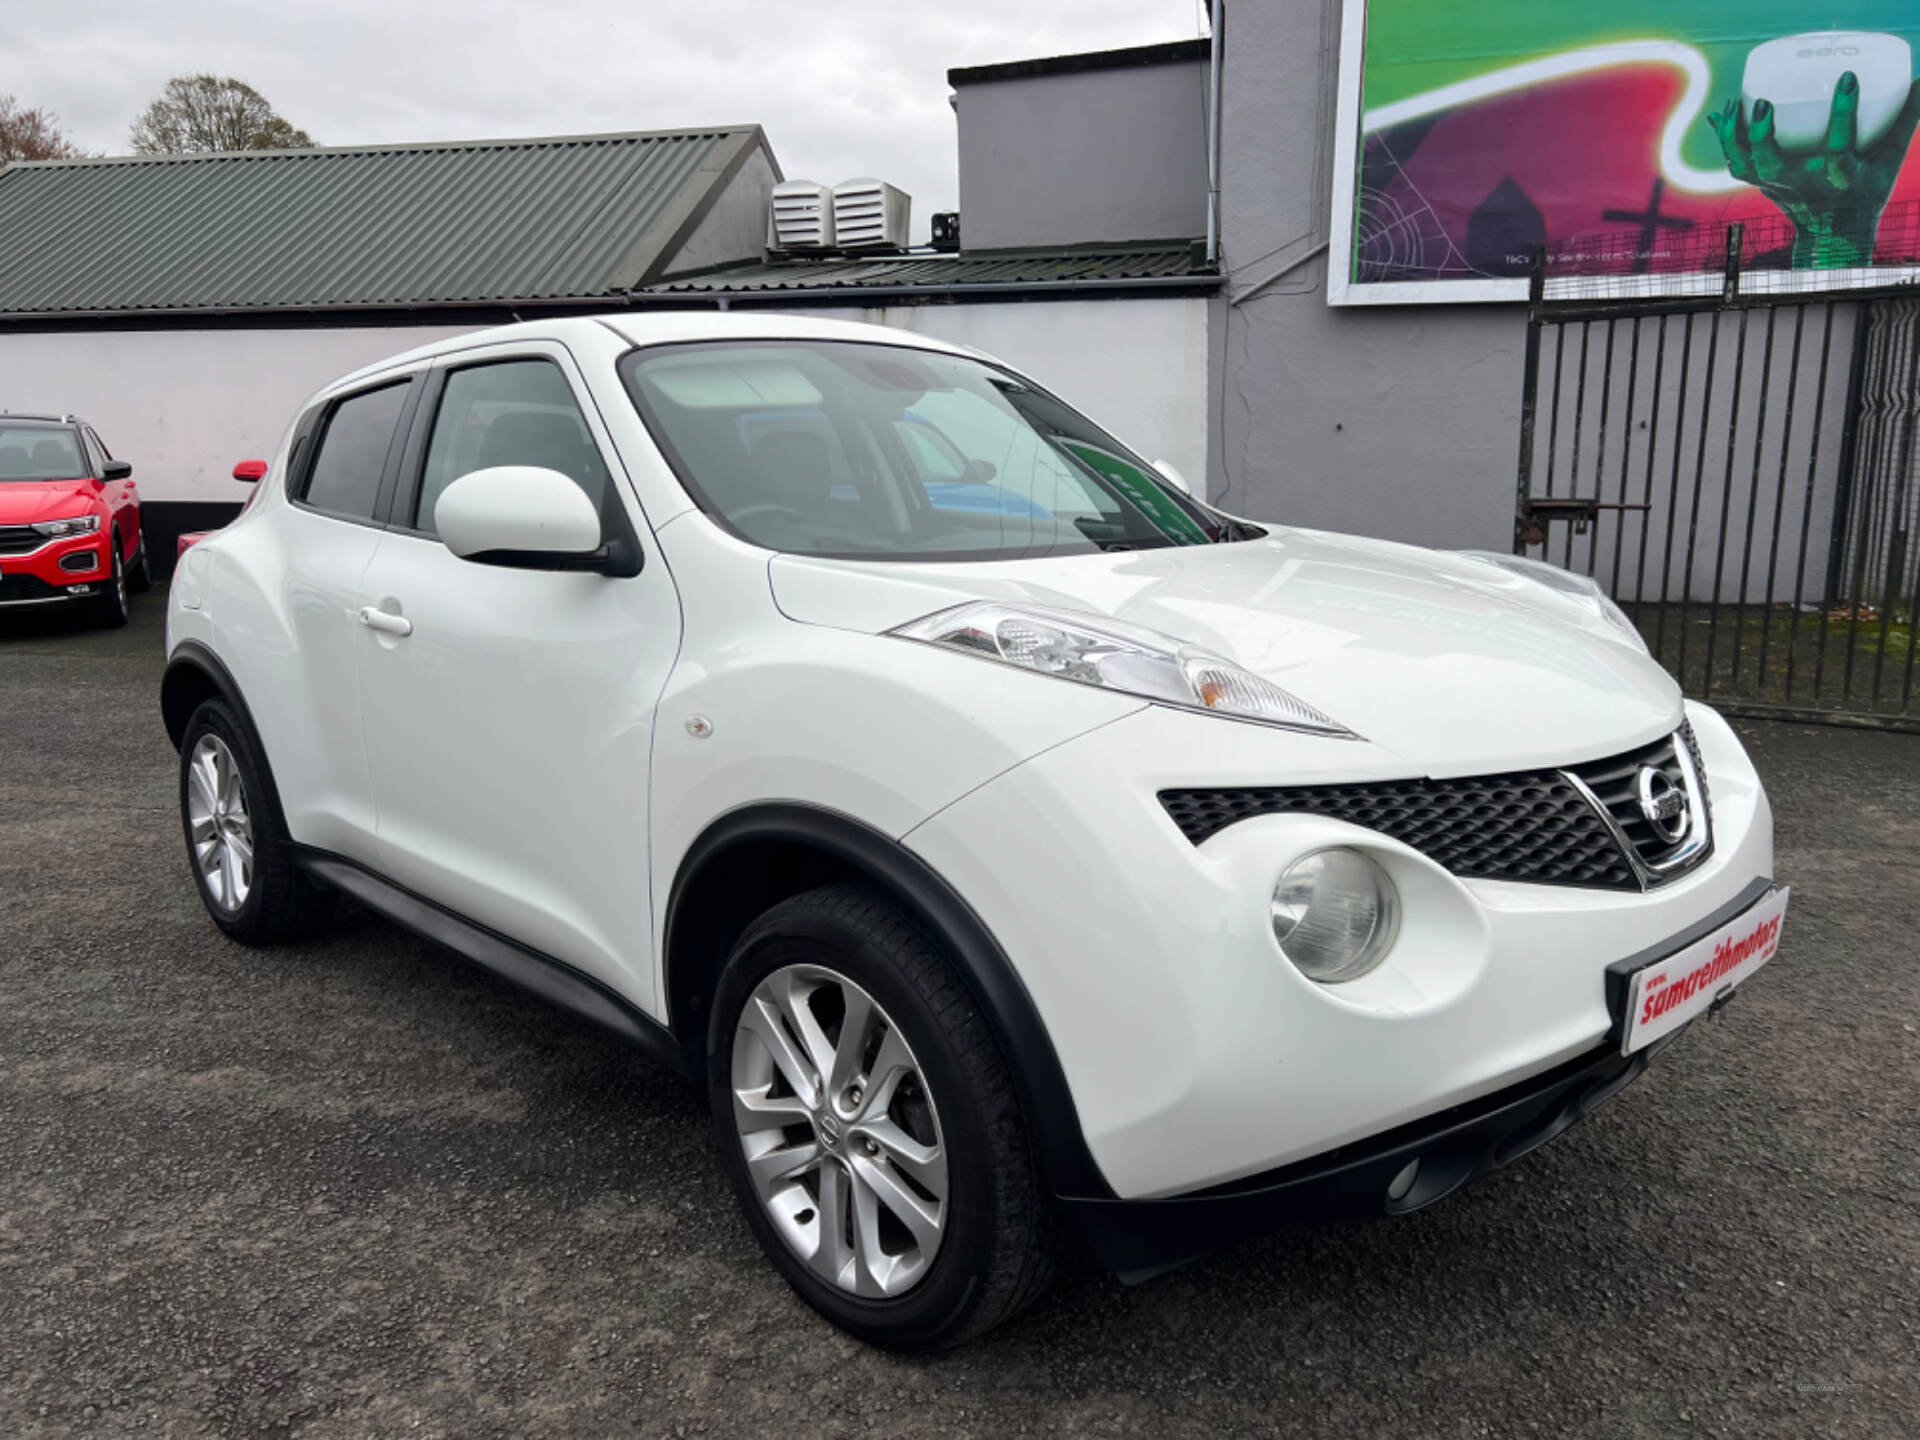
x: 509, y: 731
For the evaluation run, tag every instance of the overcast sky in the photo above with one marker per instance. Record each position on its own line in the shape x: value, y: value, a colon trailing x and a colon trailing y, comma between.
x: 843, y: 87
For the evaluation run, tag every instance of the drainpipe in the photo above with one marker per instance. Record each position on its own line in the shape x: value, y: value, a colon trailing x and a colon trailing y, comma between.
x: 1213, y: 141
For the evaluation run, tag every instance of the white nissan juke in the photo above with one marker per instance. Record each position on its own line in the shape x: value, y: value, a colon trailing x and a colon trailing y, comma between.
x: 1022, y: 853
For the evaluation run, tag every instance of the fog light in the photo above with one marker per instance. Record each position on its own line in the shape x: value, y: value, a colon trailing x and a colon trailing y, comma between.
x: 1335, y: 913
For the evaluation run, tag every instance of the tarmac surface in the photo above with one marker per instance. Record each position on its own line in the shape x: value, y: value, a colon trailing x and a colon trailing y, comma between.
x: 356, y: 1188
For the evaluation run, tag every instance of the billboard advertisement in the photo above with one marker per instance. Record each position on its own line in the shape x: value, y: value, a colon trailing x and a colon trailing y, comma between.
x: 1472, y: 133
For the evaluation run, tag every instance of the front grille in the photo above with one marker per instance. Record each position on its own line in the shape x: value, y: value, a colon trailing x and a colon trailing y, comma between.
x: 1532, y: 825
x: 19, y: 539
x: 1615, y: 784
x: 27, y: 587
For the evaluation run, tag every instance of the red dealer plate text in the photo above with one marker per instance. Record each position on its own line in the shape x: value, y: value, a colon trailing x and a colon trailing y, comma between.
x: 1668, y: 993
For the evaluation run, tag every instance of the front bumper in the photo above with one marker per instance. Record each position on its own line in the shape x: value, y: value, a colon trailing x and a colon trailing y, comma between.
x: 71, y: 569
x: 1196, y: 1056
x: 1395, y: 1173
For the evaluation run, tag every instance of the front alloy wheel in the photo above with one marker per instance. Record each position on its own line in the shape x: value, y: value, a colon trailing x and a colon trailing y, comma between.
x: 839, y: 1133
x: 870, y: 1125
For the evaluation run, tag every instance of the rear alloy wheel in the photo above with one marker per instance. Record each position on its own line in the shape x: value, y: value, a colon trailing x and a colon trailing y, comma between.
x: 870, y: 1126
x: 110, y: 606
x: 242, y: 861
x: 218, y: 826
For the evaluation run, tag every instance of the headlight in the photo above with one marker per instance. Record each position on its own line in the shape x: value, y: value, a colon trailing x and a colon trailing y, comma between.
x: 72, y: 525
x: 1119, y: 657
x: 1335, y: 914
x: 1581, y: 587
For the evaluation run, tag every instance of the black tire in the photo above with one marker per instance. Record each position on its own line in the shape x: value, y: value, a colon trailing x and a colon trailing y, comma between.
x: 140, y: 572
x: 110, y: 606
x: 1002, y: 1244
x: 281, y: 903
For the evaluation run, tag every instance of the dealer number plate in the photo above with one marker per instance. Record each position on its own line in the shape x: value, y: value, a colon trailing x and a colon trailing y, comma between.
x: 1667, y: 994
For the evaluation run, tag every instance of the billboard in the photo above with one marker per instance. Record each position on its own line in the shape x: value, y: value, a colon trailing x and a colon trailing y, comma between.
x: 1471, y: 133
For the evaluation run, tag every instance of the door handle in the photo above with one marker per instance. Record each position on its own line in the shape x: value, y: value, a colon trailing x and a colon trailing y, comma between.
x: 385, y: 623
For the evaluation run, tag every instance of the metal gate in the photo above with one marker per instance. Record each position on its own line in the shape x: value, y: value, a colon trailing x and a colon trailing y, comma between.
x: 1739, y: 471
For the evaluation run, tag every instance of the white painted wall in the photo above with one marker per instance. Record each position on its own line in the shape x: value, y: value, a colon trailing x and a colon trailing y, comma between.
x: 184, y: 405
x: 1136, y: 366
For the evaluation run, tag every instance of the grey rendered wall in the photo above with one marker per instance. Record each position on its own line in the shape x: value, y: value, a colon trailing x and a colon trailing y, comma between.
x: 1397, y: 422
x: 1097, y: 155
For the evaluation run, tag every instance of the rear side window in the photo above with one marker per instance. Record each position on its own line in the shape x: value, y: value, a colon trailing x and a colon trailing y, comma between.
x: 345, y: 477
x: 509, y: 412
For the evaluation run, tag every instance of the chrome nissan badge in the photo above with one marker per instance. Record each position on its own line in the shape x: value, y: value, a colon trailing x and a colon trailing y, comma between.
x: 1663, y: 803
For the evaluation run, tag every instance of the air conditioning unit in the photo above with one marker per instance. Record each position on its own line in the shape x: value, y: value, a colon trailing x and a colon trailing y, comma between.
x: 800, y: 216
x: 870, y: 215
x: 946, y: 230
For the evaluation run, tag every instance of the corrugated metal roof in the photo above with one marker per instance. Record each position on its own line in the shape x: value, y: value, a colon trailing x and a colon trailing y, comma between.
x: 1086, y: 266
x: 487, y: 221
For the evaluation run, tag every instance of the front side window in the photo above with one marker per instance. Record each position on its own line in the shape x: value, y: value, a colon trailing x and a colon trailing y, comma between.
x: 345, y: 478
x: 96, y: 452
x: 40, y: 452
x: 874, y: 451
x: 511, y: 412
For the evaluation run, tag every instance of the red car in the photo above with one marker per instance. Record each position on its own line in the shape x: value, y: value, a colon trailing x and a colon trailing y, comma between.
x: 69, y: 519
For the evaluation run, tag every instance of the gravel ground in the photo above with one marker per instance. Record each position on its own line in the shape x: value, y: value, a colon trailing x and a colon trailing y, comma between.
x: 355, y: 1188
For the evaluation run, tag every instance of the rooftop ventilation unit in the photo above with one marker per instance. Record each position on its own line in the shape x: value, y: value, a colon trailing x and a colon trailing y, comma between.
x: 800, y: 216
x: 870, y: 215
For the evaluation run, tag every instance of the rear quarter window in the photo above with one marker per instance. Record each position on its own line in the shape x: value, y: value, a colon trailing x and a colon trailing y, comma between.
x: 353, y: 443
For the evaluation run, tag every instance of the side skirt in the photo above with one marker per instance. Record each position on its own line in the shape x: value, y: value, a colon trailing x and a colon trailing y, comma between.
x: 554, y: 981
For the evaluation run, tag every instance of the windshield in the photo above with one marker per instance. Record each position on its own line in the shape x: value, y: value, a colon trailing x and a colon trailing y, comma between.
x: 39, y: 452
x: 865, y: 451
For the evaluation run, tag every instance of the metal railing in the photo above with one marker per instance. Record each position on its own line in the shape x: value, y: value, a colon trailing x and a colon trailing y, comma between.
x: 1736, y: 463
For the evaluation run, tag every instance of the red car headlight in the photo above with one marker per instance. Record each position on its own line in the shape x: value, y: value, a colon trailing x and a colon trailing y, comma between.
x: 69, y: 527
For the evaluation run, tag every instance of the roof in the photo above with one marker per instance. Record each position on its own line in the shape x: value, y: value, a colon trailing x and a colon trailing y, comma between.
x: 1173, y: 52
x: 374, y: 226
x: 1082, y: 267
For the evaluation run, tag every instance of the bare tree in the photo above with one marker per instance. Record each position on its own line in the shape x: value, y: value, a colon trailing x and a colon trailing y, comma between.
x: 31, y: 134
x: 199, y: 114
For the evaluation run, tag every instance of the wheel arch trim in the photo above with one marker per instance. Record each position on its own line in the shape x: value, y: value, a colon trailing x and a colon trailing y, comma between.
x: 190, y: 656
x: 1053, y: 1120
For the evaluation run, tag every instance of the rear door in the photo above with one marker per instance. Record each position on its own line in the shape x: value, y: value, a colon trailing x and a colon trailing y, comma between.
x: 509, y: 732
x: 343, y: 462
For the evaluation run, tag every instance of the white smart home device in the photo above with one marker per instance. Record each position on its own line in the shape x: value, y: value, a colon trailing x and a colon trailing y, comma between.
x: 1798, y: 73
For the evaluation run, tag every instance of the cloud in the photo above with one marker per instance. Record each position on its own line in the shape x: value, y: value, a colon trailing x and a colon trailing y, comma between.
x: 857, y: 87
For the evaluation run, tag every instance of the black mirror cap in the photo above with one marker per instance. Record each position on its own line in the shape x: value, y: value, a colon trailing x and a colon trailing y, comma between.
x: 619, y: 558
x: 116, y: 470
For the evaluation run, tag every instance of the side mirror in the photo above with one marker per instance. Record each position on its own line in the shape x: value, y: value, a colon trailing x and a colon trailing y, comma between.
x: 1173, y: 477
x: 115, y: 470
x: 524, y: 516
x: 980, y: 472
x: 250, y: 472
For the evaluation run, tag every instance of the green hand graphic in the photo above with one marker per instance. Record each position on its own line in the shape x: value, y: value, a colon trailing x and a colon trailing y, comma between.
x: 1834, y: 196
